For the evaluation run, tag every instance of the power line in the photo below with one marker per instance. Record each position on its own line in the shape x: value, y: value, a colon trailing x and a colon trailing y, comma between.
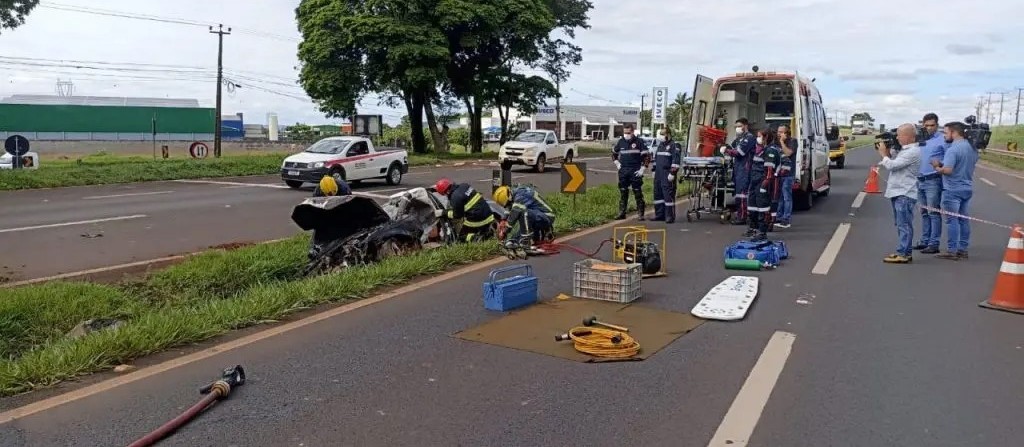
x: 126, y: 66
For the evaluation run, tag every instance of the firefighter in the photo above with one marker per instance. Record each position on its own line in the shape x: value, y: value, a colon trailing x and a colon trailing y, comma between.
x: 763, y: 183
x: 631, y: 159
x: 666, y: 165
x: 530, y: 214
x: 464, y: 202
x: 332, y: 185
x: 741, y: 150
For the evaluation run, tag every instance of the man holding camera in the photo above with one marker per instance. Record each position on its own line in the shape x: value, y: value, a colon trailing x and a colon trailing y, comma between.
x: 929, y: 186
x: 901, y: 187
x: 957, y: 169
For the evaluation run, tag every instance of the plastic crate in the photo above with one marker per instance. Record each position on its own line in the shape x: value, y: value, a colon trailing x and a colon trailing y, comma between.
x: 510, y: 292
x: 621, y: 285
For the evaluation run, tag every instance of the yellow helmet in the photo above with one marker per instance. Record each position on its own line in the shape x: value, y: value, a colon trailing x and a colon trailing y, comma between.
x: 328, y: 186
x: 501, y: 195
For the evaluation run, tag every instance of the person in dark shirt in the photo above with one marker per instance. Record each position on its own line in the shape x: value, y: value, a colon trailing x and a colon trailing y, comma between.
x: 788, y: 146
x: 464, y: 202
x: 764, y: 164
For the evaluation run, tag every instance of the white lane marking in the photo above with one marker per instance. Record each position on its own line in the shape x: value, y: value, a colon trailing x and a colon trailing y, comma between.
x: 741, y: 419
x: 387, y: 190
x: 370, y: 195
x: 490, y: 179
x: 1016, y: 197
x: 987, y: 181
x: 67, y: 224
x: 859, y: 200
x: 214, y: 182
x: 828, y: 257
x: 114, y: 196
x: 606, y: 171
x: 1001, y: 171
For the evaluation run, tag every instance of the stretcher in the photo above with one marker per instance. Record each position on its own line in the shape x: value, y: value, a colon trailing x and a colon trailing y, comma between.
x: 710, y: 180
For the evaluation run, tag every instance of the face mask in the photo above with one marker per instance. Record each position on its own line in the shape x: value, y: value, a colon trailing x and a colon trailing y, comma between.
x: 739, y: 130
x: 760, y: 140
x: 628, y: 136
x: 660, y: 138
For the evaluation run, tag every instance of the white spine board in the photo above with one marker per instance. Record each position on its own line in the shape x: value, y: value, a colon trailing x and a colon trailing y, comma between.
x: 729, y: 300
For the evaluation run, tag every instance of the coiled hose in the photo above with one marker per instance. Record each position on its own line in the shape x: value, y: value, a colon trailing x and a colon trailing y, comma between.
x: 604, y: 343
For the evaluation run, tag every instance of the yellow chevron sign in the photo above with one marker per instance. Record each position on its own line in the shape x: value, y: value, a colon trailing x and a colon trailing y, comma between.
x: 574, y: 178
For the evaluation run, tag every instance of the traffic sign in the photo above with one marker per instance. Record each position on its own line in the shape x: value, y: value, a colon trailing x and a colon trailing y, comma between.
x: 574, y: 178
x: 199, y: 149
x: 16, y: 145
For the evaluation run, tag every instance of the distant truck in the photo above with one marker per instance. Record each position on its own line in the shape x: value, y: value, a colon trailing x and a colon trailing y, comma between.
x: 535, y: 148
x: 354, y: 158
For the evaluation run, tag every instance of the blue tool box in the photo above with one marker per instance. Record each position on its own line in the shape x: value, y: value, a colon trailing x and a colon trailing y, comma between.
x: 510, y: 292
x: 770, y: 252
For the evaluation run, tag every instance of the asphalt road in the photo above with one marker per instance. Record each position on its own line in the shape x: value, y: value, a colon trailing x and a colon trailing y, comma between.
x: 53, y: 231
x: 881, y: 355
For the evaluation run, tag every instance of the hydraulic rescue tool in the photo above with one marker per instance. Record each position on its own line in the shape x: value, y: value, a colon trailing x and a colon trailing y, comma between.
x: 633, y: 246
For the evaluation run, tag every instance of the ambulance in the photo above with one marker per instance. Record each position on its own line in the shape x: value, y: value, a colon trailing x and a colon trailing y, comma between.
x: 766, y: 99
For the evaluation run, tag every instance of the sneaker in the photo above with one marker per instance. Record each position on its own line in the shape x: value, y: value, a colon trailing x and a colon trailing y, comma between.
x: 961, y: 254
x: 760, y: 237
x: 949, y: 256
x: 897, y: 259
x: 782, y: 225
x: 919, y: 247
x: 930, y: 250
x: 750, y: 232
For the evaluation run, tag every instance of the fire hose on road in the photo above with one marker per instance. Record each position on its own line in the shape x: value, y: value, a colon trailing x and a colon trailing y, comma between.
x: 220, y: 389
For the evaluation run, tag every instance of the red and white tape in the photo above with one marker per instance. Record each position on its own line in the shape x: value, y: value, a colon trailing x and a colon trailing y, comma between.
x: 1016, y: 228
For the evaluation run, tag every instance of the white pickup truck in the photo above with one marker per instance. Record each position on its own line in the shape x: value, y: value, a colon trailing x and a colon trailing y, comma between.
x: 535, y: 148
x: 355, y: 158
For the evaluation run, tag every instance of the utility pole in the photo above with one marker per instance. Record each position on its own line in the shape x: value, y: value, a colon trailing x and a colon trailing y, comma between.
x: 558, y: 109
x: 641, y: 129
x: 988, y: 109
x: 1002, y: 97
x: 220, y: 32
x: 1016, y: 118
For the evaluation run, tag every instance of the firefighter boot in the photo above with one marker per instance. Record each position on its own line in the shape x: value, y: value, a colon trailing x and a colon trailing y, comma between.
x: 623, y: 203
x: 641, y: 207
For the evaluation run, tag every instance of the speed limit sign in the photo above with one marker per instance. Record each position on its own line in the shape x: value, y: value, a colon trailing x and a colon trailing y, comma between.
x: 198, y: 149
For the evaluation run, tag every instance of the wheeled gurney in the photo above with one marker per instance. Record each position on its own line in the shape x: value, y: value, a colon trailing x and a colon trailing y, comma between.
x: 710, y: 180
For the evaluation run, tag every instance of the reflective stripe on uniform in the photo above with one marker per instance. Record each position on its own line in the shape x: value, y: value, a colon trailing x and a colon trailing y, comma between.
x: 630, y: 151
x: 667, y: 154
x: 675, y: 165
x: 759, y: 209
x: 473, y: 200
x: 472, y: 224
x: 659, y: 202
x: 758, y: 158
x: 741, y: 196
x: 670, y: 203
x: 769, y: 164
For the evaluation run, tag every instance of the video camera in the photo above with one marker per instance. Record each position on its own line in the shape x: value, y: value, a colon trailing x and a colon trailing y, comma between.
x: 976, y: 133
x: 889, y: 138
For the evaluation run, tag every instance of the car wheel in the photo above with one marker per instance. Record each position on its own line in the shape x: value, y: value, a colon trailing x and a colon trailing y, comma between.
x: 568, y: 157
x: 540, y: 163
x: 394, y: 175
x: 293, y: 184
x: 506, y: 166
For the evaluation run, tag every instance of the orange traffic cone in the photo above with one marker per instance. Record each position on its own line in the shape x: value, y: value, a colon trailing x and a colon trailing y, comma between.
x: 871, y: 184
x: 1008, y: 293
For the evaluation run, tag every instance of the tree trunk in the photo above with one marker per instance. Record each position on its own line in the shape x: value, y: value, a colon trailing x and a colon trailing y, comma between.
x: 476, y: 135
x: 503, y: 116
x: 414, y: 105
x: 438, y: 135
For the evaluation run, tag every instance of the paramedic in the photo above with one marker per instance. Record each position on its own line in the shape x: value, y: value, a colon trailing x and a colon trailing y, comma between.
x: 929, y: 186
x: 666, y: 166
x: 957, y: 169
x: 901, y: 189
x: 464, y: 202
x: 631, y: 159
x: 764, y: 164
x: 785, y: 194
x: 530, y: 214
x: 741, y: 150
x: 332, y: 185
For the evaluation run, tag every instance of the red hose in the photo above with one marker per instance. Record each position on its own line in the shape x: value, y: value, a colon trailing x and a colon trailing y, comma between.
x: 177, y: 422
x: 553, y: 248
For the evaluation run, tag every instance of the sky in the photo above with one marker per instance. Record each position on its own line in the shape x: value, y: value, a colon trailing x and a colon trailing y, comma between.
x: 938, y: 56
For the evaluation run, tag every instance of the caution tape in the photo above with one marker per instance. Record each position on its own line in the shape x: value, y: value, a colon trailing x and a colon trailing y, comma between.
x: 973, y: 219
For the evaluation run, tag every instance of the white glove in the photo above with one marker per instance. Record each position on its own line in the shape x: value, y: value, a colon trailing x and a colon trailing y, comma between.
x: 723, y: 149
x: 640, y: 173
x: 438, y: 213
x: 618, y: 165
x: 671, y: 177
x: 763, y: 190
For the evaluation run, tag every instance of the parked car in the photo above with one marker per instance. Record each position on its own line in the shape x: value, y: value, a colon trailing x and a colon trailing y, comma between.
x: 354, y: 158
x: 535, y: 148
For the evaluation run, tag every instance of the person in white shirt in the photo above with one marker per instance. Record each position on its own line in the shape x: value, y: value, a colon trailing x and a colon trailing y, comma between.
x: 901, y: 188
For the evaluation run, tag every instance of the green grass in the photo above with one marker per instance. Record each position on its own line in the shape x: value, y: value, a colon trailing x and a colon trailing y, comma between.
x: 211, y: 294
x: 1016, y: 164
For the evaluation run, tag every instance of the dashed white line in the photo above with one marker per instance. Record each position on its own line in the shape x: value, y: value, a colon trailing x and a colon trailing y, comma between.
x: 134, y: 194
x: 859, y: 200
x: 1016, y: 197
x: 741, y: 419
x: 987, y: 181
x: 67, y: 224
x: 254, y: 185
x: 828, y: 257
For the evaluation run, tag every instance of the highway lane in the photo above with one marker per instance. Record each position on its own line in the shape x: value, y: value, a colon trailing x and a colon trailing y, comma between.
x: 881, y: 355
x: 54, y: 231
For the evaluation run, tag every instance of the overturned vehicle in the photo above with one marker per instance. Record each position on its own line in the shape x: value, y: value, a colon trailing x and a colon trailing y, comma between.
x: 354, y: 230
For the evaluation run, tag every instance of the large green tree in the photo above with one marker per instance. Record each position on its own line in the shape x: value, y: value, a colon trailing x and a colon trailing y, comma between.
x: 351, y: 48
x: 13, y: 12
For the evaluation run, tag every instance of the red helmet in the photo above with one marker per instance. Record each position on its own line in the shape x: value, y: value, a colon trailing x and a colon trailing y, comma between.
x: 443, y: 186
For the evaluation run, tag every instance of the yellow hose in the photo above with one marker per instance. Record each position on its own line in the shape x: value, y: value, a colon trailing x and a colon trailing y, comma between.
x: 599, y: 343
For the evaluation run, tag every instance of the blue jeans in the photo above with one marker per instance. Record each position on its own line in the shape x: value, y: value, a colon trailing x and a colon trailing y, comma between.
x: 785, y: 214
x: 958, y: 229
x: 929, y: 193
x: 903, y: 213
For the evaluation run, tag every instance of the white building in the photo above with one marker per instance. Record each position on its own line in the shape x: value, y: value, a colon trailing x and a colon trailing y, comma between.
x: 598, y: 122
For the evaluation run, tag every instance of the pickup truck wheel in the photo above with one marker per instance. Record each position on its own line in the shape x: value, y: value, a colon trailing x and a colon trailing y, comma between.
x: 293, y: 184
x: 506, y: 166
x: 394, y: 175
x: 568, y: 157
x: 339, y: 171
x: 540, y: 163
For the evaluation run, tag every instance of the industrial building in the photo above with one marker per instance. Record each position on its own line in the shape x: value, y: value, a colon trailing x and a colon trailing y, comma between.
x: 85, y: 118
x: 577, y: 122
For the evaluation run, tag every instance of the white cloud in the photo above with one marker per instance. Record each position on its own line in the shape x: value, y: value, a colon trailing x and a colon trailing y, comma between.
x: 863, y: 57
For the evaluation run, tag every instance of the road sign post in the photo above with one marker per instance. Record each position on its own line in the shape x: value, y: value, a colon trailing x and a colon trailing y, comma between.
x: 574, y: 180
x: 17, y: 146
x: 500, y: 177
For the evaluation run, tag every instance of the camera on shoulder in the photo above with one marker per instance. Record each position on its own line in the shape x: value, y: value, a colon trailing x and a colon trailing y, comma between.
x: 976, y: 133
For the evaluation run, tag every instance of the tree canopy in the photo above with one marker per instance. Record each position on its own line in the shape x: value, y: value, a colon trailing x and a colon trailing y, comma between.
x: 13, y: 12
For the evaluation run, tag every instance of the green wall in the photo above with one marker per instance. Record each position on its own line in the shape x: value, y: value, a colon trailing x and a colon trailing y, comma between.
x: 74, y: 118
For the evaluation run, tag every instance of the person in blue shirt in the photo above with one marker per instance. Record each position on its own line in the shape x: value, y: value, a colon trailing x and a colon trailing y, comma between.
x: 929, y: 186
x: 957, y: 170
x: 741, y: 150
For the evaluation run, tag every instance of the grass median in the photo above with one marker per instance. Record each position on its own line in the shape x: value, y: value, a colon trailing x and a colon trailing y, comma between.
x: 211, y: 294
x: 103, y: 169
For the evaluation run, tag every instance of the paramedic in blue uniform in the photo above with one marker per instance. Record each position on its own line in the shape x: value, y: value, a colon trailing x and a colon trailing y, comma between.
x: 763, y: 169
x: 529, y: 214
x: 631, y: 159
x: 741, y: 150
x: 666, y: 165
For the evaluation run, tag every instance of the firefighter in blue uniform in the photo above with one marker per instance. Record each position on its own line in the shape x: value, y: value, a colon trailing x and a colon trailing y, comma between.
x: 666, y: 165
x: 763, y: 170
x: 741, y: 150
x: 332, y: 185
x: 464, y: 202
x: 631, y: 159
x: 529, y: 215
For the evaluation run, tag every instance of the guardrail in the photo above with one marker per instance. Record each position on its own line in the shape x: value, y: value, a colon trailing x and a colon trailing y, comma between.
x: 1006, y: 153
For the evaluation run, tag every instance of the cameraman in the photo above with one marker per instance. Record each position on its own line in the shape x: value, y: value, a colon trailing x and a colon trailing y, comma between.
x: 929, y: 186
x: 901, y: 188
x: 957, y: 169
